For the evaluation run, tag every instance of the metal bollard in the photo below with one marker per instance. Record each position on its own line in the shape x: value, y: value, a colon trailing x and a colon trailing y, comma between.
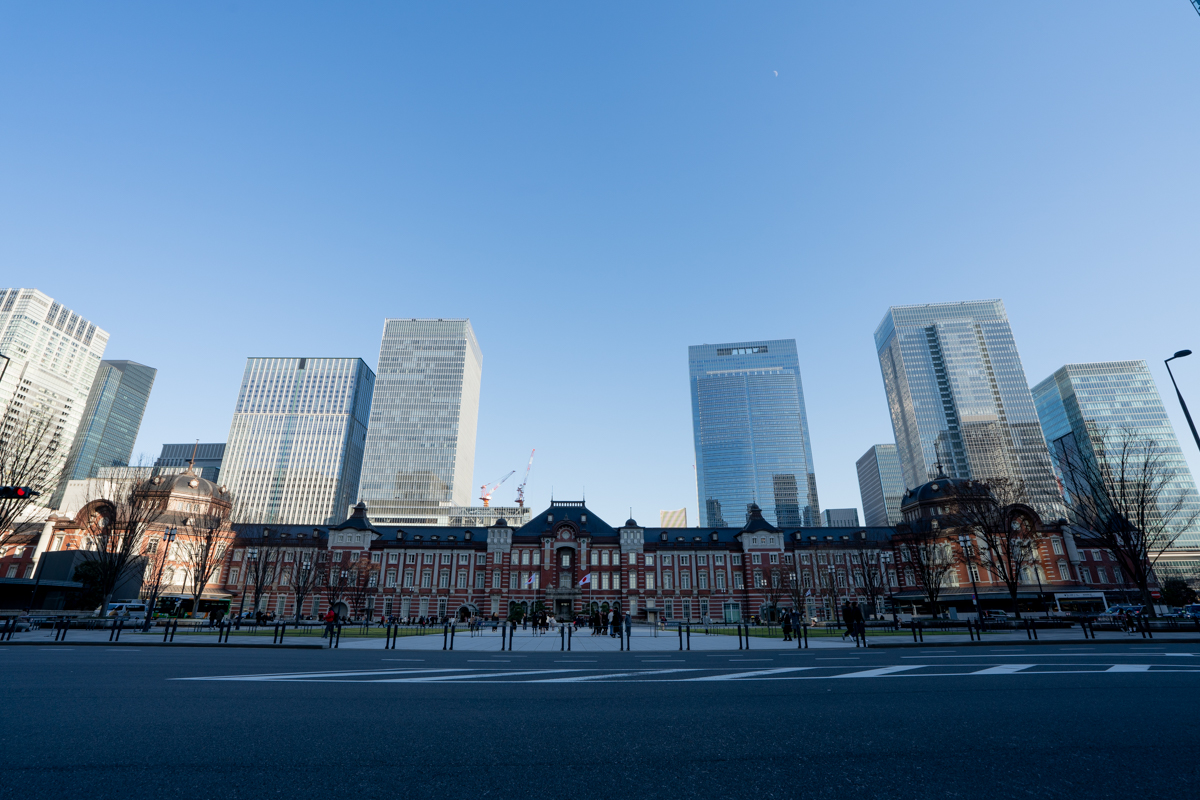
x: 680, y: 637
x: 562, y: 639
x: 174, y: 630
x: 338, y: 641
x: 739, y: 630
x: 166, y: 629
x: 112, y: 631
x: 921, y: 632
x: 445, y: 634
x: 503, y: 629
x: 120, y: 627
x: 1033, y: 628
x: 569, y: 629
x: 452, y: 627
x: 689, y: 637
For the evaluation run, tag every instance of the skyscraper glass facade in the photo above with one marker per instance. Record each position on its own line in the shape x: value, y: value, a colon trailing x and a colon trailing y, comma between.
x: 295, y: 448
x: 111, y: 419
x: 420, y: 449
x: 959, y: 398
x: 751, y: 434
x: 881, y: 485
x: 51, y: 358
x: 204, y: 458
x: 1086, y: 409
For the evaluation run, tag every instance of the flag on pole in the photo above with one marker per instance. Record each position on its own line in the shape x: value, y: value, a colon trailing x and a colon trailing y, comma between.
x: 808, y: 593
x: 586, y: 579
x: 531, y: 577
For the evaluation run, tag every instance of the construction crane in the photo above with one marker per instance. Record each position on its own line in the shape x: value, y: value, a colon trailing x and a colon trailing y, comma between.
x: 485, y: 494
x: 521, y: 488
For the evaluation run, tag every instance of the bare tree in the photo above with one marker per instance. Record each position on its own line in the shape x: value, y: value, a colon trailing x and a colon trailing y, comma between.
x: 931, y: 558
x: 157, y: 553
x: 872, y: 574
x: 994, y: 514
x: 336, y: 579
x: 263, y: 559
x: 1125, y: 499
x: 203, y: 548
x: 307, y: 574
x: 772, y: 585
x: 118, y: 516
x: 30, y: 455
x: 362, y: 581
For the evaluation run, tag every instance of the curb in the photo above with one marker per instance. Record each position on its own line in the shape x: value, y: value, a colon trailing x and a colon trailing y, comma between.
x: 1030, y: 642
x: 213, y: 645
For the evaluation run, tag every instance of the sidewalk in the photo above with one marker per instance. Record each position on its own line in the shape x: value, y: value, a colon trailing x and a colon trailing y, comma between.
x: 582, y: 641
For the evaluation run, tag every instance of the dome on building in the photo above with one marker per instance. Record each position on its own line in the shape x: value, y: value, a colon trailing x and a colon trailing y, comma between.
x: 500, y: 523
x: 188, y: 483
x: 631, y: 523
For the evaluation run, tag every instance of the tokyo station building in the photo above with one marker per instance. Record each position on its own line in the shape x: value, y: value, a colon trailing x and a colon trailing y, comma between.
x: 570, y: 562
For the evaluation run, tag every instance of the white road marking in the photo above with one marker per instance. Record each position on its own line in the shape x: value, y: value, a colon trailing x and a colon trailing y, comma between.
x: 876, y: 673
x: 739, y: 675
x: 1128, y: 668
x: 1003, y: 669
x: 603, y: 676
x: 292, y: 676
x: 439, y: 678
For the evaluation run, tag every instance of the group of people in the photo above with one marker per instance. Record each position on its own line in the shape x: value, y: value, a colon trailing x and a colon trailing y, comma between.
x: 606, y: 622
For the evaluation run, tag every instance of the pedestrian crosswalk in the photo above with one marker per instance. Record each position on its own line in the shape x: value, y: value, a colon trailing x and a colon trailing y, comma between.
x: 691, y: 674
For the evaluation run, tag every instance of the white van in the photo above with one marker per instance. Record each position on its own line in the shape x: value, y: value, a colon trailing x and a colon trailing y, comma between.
x: 126, y: 610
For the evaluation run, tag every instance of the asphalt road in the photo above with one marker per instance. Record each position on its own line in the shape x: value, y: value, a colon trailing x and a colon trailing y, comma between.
x: 1080, y: 721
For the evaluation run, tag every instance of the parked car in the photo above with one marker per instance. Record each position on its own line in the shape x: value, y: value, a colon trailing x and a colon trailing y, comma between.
x: 1113, y: 614
x: 126, y: 610
x: 1192, y: 611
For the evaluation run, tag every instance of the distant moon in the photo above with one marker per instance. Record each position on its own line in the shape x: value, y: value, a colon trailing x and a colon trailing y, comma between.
x: 776, y: 73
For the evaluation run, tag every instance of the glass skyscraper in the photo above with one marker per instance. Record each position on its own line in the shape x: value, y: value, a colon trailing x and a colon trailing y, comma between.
x: 751, y: 434
x: 959, y: 398
x: 881, y: 485
x: 51, y: 355
x: 420, y: 449
x: 1085, y: 409
x: 112, y: 416
x: 295, y: 447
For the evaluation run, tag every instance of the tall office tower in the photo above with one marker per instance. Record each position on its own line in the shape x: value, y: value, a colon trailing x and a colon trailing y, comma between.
x: 840, y: 517
x: 751, y: 434
x: 421, y: 440
x: 204, y: 458
x: 675, y: 518
x: 959, y: 399
x: 881, y: 485
x: 50, y: 357
x: 295, y: 448
x: 111, y: 418
x: 1085, y: 410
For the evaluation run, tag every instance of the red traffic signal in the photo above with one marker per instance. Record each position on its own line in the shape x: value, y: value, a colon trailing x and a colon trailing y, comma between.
x: 17, y: 493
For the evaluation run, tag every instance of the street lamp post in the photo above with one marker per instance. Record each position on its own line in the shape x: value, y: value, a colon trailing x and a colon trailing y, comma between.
x: 251, y: 555
x: 969, y: 550
x: 168, y: 537
x: 1186, y: 413
x: 833, y: 591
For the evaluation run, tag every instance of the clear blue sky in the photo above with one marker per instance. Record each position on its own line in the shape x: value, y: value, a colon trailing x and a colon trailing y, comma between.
x: 597, y: 186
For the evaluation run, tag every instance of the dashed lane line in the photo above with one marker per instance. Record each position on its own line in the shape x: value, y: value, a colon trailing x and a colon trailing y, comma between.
x: 740, y: 675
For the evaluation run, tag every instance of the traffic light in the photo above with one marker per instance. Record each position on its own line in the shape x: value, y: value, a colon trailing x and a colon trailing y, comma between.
x: 17, y: 493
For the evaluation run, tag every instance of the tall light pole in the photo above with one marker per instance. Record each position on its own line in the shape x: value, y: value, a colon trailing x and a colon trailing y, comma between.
x: 1186, y: 413
x: 251, y: 555
x: 969, y: 550
x: 168, y: 538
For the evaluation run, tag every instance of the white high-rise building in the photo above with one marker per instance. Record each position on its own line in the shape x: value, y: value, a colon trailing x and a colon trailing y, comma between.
x: 420, y: 449
x: 49, y: 356
x: 295, y: 446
